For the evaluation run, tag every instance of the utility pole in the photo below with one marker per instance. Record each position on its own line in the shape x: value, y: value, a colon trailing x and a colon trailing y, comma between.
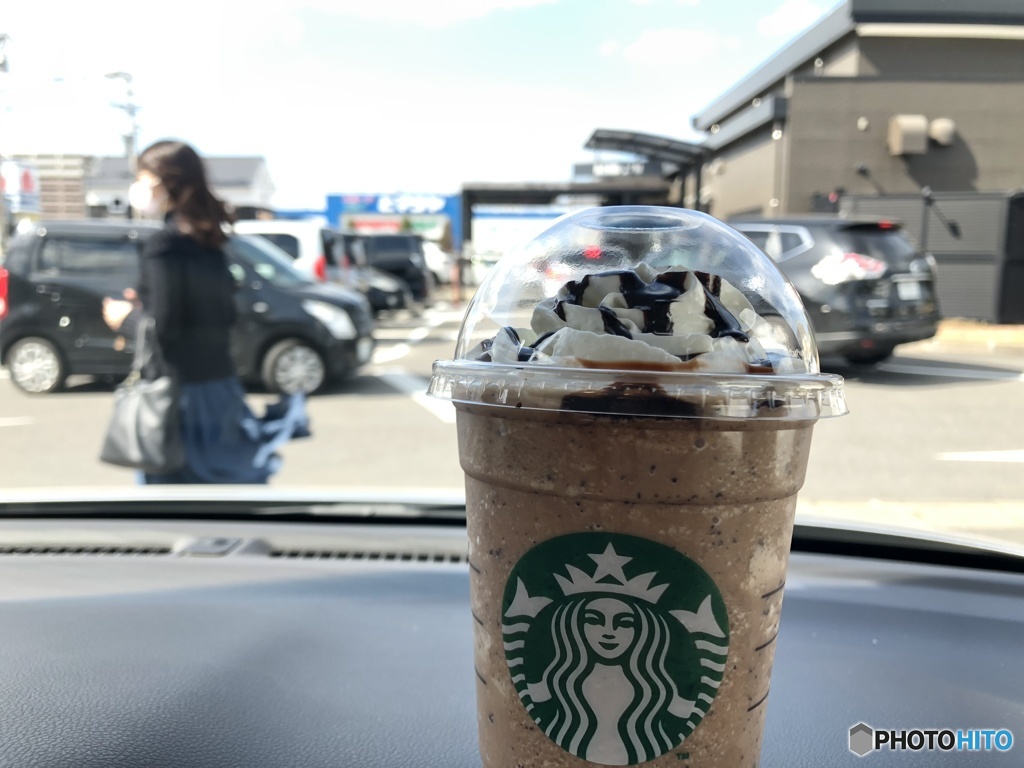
x: 130, y: 108
x: 5, y: 68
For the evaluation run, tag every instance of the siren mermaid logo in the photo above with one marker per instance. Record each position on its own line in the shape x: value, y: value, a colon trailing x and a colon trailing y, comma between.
x: 616, y: 644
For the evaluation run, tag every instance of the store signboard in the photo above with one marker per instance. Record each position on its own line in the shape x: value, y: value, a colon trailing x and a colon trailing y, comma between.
x: 20, y: 184
x: 401, y: 203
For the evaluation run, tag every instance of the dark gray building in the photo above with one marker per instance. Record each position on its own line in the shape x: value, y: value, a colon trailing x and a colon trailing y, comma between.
x: 913, y: 92
x: 878, y: 103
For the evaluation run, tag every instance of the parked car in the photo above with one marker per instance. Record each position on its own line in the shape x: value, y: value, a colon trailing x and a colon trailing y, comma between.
x: 440, y: 263
x: 337, y: 257
x: 292, y: 333
x: 384, y: 291
x: 482, y: 263
x: 309, y: 243
x: 865, y: 286
x: 400, y: 255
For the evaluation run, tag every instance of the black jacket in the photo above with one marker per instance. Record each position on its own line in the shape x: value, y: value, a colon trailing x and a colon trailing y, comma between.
x: 189, y: 292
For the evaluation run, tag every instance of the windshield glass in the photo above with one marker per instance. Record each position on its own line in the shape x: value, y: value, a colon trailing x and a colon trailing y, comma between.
x: 388, y: 246
x: 879, y: 243
x: 812, y: 125
x: 266, y: 260
x: 287, y: 243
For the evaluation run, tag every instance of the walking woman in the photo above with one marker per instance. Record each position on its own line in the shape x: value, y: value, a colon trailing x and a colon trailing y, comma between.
x: 187, y: 290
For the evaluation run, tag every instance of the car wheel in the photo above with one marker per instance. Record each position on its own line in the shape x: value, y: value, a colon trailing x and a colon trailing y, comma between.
x: 36, y: 366
x: 869, y: 357
x: 292, y: 366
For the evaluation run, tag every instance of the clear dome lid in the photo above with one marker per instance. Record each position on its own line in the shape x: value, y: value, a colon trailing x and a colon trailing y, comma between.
x: 640, y: 299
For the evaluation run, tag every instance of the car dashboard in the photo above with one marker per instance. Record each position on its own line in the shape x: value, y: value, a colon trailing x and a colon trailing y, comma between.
x: 247, y: 643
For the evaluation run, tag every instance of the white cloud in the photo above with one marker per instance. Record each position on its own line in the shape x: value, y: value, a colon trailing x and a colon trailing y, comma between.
x: 665, y: 47
x: 789, y: 18
x: 420, y: 12
x: 610, y: 47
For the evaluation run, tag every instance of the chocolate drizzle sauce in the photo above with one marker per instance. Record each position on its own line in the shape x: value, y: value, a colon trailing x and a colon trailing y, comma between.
x: 612, y: 324
x: 654, y: 300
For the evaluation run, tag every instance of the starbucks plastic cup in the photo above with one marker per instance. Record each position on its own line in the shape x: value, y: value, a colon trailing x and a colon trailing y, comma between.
x: 635, y: 394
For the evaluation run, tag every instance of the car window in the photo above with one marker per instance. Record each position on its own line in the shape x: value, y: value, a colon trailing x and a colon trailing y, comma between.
x: 266, y: 260
x: 888, y: 245
x: 789, y: 241
x: 287, y: 243
x: 768, y: 240
x: 88, y: 257
x: 758, y: 237
x: 789, y: 118
x: 387, y: 245
x: 355, y: 249
x: 346, y: 249
x: 329, y: 242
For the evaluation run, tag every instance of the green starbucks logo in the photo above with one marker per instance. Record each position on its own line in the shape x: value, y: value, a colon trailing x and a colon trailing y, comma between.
x: 616, y: 644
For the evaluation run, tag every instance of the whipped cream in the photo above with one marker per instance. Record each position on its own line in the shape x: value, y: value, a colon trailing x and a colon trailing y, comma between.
x: 677, y: 320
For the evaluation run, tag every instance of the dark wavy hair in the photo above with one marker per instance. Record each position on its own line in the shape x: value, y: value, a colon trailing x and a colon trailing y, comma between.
x: 199, y: 213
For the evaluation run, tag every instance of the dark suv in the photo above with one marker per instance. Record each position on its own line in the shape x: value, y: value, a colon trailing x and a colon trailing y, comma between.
x: 865, y: 286
x: 292, y: 333
x: 402, y: 256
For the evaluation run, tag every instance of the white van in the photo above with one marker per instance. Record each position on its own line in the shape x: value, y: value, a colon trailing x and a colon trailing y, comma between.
x: 316, y: 249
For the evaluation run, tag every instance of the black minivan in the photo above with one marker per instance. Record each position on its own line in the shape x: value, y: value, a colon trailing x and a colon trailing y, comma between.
x: 400, y: 255
x: 292, y: 334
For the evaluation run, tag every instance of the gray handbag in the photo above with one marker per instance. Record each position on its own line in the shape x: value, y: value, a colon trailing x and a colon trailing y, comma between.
x: 145, y: 429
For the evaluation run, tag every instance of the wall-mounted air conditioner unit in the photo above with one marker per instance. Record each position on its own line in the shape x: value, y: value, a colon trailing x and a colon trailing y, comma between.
x: 908, y: 135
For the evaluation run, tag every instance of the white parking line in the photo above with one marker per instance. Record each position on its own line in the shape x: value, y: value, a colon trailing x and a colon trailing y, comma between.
x: 392, y: 334
x: 446, y: 315
x: 411, y: 337
x: 952, y: 373
x: 415, y: 388
x: 16, y: 421
x: 419, y: 334
x: 390, y: 354
x: 996, y: 457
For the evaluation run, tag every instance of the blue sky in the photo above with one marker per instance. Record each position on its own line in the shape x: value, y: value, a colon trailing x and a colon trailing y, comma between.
x: 380, y: 95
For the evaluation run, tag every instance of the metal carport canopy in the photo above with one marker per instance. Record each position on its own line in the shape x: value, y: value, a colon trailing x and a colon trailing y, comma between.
x: 621, y: 191
x: 684, y: 153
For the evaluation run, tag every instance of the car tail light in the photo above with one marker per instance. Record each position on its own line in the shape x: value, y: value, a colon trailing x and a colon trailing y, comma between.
x: 846, y: 267
x: 320, y: 268
x: 592, y: 252
x: 886, y: 225
x: 3, y: 293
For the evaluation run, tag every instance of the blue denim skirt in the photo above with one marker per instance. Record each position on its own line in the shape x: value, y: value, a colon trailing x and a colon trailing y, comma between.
x: 225, y: 442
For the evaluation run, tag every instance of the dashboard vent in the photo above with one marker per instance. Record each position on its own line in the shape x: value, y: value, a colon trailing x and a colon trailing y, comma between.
x: 409, y: 557
x: 93, y: 549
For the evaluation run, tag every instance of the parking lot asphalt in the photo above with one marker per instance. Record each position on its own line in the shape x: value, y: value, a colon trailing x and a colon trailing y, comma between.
x: 933, y: 438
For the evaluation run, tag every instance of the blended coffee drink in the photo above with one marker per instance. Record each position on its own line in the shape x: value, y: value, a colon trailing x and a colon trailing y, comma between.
x: 633, y: 445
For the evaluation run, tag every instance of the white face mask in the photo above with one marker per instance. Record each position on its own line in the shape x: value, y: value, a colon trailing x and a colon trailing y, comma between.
x: 142, y: 199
